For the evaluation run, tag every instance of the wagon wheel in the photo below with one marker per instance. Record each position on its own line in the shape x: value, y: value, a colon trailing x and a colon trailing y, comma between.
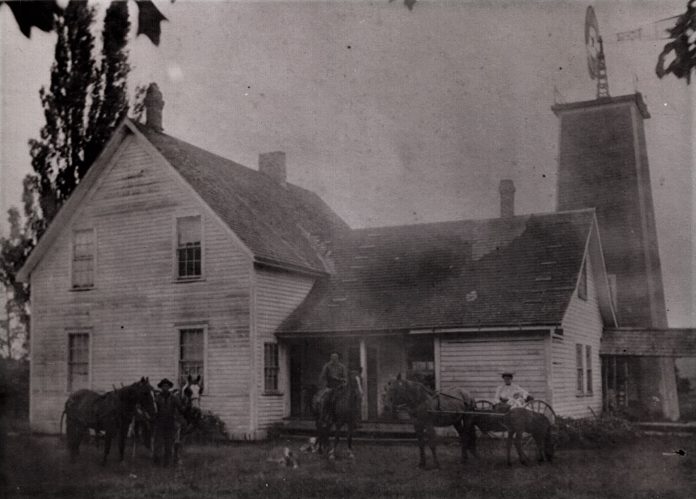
x: 541, y: 407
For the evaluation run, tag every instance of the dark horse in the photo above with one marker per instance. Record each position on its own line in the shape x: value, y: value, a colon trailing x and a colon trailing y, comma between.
x: 428, y: 409
x: 341, y: 409
x: 110, y: 413
x: 518, y: 421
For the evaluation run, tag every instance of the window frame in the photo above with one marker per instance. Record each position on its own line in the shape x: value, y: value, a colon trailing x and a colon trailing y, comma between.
x: 588, y: 370
x: 175, y: 243
x: 579, y: 369
x: 73, y: 333
x: 73, y: 240
x: 204, y: 369
x: 273, y: 369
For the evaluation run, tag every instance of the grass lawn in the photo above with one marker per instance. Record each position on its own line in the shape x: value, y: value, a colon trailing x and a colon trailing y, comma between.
x: 38, y: 467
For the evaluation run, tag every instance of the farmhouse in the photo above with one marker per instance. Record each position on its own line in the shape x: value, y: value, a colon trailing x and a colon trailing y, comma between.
x: 169, y: 260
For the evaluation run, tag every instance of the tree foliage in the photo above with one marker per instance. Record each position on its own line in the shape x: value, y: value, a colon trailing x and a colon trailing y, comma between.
x: 82, y: 106
x: 681, y: 49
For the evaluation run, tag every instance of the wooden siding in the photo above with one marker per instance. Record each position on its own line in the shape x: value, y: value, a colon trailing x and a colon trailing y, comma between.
x: 582, y: 324
x: 474, y: 363
x: 136, y: 305
x: 278, y: 293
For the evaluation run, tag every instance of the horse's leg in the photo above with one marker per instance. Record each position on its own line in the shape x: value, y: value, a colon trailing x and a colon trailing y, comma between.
x: 107, y: 446
x: 509, y: 447
x: 122, y: 440
x: 548, y: 445
x: 349, y: 440
x: 471, y: 438
x: 74, y: 434
x: 518, y: 446
x: 420, y: 434
x: 334, y: 446
x: 539, y: 442
x: 459, y: 426
x: 432, y: 443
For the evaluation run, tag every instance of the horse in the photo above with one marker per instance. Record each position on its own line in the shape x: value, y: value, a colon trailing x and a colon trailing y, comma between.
x: 518, y: 421
x: 430, y: 409
x: 189, y: 398
x: 110, y: 413
x: 341, y: 409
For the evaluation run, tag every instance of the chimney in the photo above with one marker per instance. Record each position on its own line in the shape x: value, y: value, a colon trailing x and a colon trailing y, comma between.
x: 273, y: 165
x: 507, y: 198
x: 153, y: 107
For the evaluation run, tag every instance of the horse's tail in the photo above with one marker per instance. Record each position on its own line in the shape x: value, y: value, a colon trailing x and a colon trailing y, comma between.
x: 60, y: 425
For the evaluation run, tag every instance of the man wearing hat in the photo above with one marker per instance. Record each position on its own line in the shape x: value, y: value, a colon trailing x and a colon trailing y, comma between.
x: 511, y: 394
x: 165, y: 423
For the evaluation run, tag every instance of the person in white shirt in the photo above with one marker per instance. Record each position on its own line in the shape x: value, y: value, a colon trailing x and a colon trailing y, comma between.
x: 510, y: 393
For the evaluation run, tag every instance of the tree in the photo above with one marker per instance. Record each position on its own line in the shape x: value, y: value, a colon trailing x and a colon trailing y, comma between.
x: 82, y: 106
x: 681, y: 48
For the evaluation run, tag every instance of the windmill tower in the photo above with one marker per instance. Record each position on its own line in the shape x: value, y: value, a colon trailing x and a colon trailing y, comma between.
x: 603, y: 164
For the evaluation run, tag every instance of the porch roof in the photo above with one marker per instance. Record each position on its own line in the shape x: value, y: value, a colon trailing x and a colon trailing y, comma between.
x: 649, y: 342
x: 518, y: 271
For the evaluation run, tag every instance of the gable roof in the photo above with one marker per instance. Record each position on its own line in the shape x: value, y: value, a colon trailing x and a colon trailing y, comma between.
x: 279, y: 225
x: 475, y: 273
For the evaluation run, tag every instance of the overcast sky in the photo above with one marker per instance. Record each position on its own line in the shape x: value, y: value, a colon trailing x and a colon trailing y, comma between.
x: 392, y: 116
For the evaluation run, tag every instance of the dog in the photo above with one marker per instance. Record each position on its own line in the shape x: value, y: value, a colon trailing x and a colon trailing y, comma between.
x: 283, y: 456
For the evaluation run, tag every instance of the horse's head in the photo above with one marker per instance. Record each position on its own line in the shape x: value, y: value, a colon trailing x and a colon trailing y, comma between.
x: 192, y: 391
x: 144, y: 397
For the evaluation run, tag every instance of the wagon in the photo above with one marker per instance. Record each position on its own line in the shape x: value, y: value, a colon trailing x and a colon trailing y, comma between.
x: 489, y: 422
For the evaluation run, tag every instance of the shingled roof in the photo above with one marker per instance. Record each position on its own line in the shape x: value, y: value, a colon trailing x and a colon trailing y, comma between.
x: 476, y: 273
x: 279, y: 224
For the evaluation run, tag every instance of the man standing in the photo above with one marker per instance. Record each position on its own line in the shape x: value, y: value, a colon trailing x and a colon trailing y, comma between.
x: 165, y: 423
x: 511, y: 394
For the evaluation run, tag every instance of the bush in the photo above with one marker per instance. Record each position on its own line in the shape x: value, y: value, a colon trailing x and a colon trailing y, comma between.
x: 604, y: 431
x: 14, y: 388
x: 209, y: 429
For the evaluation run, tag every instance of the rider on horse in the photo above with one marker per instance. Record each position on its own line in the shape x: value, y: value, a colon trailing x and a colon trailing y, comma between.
x: 333, y: 375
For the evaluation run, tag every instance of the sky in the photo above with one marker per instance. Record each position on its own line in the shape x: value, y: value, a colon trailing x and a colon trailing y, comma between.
x: 393, y: 116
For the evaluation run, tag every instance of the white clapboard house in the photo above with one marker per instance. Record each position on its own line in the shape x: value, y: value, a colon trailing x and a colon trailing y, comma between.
x: 169, y: 260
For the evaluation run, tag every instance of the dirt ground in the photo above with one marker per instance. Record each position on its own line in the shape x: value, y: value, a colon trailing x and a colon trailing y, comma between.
x: 38, y: 467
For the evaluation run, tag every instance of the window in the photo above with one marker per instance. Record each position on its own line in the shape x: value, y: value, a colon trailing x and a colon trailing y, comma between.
x: 270, y: 367
x: 191, y: 352
x: 582, y: 285
x: 78, y: 361
x: 83, y: 259
x: 188, y: 249
x: 588, y: 368
x: 580, y: 385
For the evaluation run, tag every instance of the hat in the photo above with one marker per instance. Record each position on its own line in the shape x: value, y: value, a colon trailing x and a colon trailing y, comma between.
x: 507, y: 373
x: 164, y: 382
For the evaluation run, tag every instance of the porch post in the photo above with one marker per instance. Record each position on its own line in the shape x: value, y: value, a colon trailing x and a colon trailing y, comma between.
x: 365, y: 374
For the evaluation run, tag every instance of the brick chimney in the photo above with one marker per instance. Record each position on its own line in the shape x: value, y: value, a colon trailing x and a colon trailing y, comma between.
x: 507, y: 198
x: 273, y: 165
x: 153, y: 107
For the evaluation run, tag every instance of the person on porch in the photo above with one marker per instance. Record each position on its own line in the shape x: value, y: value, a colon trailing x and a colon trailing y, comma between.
x: 510, y: 394
x: 333, y: 375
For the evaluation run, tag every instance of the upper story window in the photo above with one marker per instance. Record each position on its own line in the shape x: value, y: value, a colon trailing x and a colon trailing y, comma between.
x: 271, y: 367
x: 83, y: 259
x: 188, y: 247
x: 582, y: 285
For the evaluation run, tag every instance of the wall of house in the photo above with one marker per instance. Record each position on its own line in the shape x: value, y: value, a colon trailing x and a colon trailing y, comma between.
x: 583, y: 325
x: 475, y: 362
x: 136, y: 304
x: 278, y: 293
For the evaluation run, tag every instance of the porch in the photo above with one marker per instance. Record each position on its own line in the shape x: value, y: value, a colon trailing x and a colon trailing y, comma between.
x: 379, y: 358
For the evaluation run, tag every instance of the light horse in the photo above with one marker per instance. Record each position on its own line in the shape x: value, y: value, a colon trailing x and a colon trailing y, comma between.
x: 189, y: 397
x: 342, y: 409
x: 110, y: 413
x: 428, y: 410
